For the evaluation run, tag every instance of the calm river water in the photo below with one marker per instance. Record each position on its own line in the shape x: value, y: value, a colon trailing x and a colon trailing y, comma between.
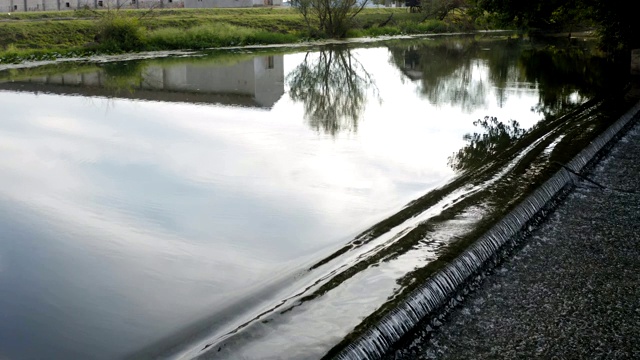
x: 258, y: 204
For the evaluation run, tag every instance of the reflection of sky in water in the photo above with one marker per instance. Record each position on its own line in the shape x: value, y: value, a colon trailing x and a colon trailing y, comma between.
x: 122, y: 221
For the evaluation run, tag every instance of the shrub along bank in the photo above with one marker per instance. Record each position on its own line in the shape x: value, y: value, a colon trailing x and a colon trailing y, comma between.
x: 48, y: 35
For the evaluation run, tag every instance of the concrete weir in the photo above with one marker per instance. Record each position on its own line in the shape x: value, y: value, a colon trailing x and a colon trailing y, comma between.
x: 440, y: 290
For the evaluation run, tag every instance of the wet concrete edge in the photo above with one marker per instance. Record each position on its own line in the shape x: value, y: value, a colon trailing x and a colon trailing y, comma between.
x: 446, y: 287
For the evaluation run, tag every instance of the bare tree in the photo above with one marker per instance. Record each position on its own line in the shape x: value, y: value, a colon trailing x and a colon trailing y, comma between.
x: 332, y: 17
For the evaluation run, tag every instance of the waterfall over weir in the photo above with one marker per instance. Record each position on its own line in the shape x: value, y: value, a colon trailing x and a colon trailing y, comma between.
x: 436, y: 291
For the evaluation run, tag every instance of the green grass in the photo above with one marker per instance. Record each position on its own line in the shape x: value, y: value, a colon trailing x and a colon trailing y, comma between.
x: 43, y: 15
x: 404, y: 27
x: 214, y: 35
x: 45, y: 35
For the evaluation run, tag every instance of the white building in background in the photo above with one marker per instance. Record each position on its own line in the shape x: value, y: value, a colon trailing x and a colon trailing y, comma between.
x: 9, y: 6
x: 202, y: 4
x: 56, y: 5
x: 258, y: 82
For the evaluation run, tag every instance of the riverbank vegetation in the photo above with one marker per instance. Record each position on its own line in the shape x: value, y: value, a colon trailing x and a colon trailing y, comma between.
x: 614, y: 20
x: 48, y: 35
x: 53, y: 34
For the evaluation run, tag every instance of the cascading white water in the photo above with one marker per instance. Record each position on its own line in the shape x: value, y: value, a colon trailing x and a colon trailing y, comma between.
x: 436, y: 291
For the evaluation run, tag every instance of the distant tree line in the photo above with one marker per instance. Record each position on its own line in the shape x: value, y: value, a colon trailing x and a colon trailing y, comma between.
x: 616, y: 20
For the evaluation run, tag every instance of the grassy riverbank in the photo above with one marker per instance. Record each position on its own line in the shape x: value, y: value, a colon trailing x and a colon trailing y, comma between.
x: 46, y: 35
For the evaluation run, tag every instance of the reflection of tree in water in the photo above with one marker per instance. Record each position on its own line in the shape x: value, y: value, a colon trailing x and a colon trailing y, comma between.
x: 484, y: 146
x: 123, y: 76
x: 461, y: 72
x: 333, y: 85
x: 445, y: 70
x: 566, y: 76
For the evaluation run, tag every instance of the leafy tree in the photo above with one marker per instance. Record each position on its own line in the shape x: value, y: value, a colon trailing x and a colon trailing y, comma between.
x: 570, y: 14
x: 618, y: 24
x: 615, y: 19
x: 439, y: 9
x: 523, y: 14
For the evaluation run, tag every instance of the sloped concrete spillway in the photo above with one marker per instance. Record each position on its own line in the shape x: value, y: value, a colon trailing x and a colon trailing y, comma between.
x: 428, y: 299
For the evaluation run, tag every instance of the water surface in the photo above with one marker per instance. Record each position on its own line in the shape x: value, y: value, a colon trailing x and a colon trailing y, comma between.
x: 255, y: 204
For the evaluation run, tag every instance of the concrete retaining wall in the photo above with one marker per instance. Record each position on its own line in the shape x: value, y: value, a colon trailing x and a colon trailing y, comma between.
x: 203, y: 4
x: 9, y: 6
x: 56, y: 5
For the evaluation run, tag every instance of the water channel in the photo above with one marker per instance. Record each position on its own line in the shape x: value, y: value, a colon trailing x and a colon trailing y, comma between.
x: 267, y: 203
